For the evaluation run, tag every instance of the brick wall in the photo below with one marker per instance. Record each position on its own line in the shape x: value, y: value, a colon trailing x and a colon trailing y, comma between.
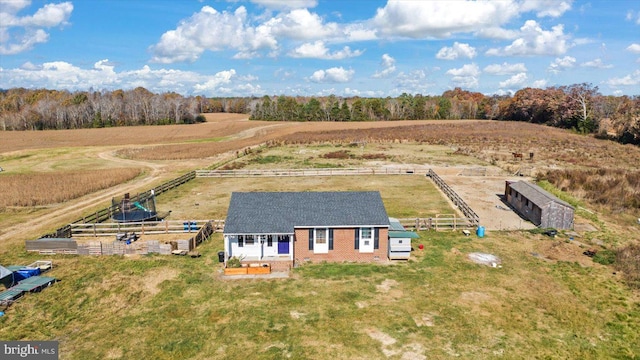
x: 343, y: 248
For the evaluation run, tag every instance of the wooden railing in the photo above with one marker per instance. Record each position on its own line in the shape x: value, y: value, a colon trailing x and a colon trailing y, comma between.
x: 116, y: 247
x: 144, y: 227
x: 449, y: 222
x: 455, y: 198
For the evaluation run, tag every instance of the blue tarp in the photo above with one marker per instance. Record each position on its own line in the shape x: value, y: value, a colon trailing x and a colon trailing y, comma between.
x: 25, y: 273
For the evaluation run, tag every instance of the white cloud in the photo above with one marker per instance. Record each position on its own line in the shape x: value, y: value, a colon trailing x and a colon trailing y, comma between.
x: 458, y: 50
x: 103, y: 75
x: 318, y: 50
x: 389, y: 67
x: 22, y: 33
x: 61, y: 75
x: 546, y: 8
x: 497, y: 33
x: 466, y: 76
x: 632, y: 79
x: 300, y: 24
x: 634, y: 48
x: 415, y: 81
x: 505, y: 68
x: 286, y: 4
x: 533, y: 40
x: 440, y: 19
x: 596, y: 63
x: 332, y: 75
x: 561, y: 64
x: 424, y: 19
x: 215, y: 81
x: 13, y: 6
x: 631, y: 15
x: 210, y: 30
x: 358, y: 32
x: 516, y: 81
x: 539, y: 84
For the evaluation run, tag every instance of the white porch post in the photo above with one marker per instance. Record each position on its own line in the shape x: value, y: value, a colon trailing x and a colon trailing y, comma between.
x: 261, y: 240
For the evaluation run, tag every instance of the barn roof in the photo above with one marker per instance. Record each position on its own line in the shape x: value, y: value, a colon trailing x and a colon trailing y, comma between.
x: 536, y: 194
x: 281, y: 212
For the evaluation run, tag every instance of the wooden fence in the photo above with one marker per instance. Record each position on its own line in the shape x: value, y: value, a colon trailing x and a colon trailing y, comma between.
x: 455, y: 198
x: 94, y: 224
x: 71, y: 246
x: 440, y: 222
x: 308, y: 172
x: 143, y: 228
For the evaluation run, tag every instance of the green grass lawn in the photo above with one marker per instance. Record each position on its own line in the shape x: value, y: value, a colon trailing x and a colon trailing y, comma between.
x: 404, y: 196
x: 437, y: 305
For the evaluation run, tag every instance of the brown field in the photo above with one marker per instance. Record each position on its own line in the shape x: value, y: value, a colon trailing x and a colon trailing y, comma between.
x: 495, y: 141
x: 60, y: 187
x: 219, y: 126
x: 547, y: 301
x: 168, y: 151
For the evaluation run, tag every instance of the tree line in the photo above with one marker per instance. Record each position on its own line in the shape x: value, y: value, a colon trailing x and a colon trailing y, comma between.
x: 579, y: 106
x: 42, y: 109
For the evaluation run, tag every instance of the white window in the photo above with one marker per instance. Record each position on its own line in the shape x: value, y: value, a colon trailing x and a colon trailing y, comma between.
x: 321, y: 241
x: 366, y: 240
x: 249, y: 240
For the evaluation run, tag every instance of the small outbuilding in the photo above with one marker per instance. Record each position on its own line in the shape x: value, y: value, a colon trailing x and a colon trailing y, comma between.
x: 539, y: 206
x: 399, y: 240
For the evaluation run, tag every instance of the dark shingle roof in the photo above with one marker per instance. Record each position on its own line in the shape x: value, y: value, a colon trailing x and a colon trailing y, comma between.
x: 280, y: 212
x: 536, y: 194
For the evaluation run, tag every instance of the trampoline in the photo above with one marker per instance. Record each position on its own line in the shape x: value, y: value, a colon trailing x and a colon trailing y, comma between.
x: 135, y: 209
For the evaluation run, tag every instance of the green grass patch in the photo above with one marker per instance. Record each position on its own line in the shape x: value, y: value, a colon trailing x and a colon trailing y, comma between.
x: 439, y: 304
x: 269, y: 159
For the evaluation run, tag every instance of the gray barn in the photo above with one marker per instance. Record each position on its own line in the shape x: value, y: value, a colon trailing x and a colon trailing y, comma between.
x: 538, y: 206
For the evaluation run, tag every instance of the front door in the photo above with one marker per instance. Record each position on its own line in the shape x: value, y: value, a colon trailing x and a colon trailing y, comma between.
x: 283, y: 244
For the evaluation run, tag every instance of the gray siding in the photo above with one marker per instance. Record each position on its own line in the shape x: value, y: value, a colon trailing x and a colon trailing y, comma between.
x: 538, y: 206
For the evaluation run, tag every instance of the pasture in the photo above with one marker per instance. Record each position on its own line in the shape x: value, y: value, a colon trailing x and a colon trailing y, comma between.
x: 546, y: 301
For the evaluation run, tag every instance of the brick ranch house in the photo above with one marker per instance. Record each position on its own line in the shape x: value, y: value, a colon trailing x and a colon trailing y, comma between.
x: 298, y: 227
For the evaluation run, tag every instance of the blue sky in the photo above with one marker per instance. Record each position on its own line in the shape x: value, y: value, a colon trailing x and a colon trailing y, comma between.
x: 368, y: 48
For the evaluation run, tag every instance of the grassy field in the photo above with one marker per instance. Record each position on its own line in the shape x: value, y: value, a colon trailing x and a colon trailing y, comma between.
x: 546, y: 301
x: 404, y: 196
x: 438, y: 305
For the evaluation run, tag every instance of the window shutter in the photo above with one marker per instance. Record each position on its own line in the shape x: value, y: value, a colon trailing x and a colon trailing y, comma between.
x: 330, y: 239
x: 310, y: 239
x: 240, y: 241
x: 356, y: 240
x: 376, y: 239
